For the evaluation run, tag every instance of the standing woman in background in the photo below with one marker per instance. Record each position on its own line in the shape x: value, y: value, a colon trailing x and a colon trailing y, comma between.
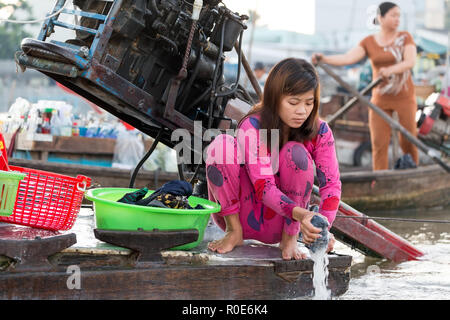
x: 392, y: 54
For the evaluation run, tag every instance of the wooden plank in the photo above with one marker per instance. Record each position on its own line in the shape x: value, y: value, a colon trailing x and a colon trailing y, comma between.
x: 194, y: 278
x: 72, y: 144
x: 353, y: 124
x: 396, y: 152
x: 168, y: 282
x: 251, y: 271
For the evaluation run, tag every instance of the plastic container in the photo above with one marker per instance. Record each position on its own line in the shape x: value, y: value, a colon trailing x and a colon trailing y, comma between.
x: 113, y: 215
x: 47, y: 200
x: 46, y: 128
x: 9, y: 183
x: 65, y: 131
x: 82, y: 131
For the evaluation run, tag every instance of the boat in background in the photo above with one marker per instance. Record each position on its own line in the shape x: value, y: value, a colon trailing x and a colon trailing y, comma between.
x: 419, y: 188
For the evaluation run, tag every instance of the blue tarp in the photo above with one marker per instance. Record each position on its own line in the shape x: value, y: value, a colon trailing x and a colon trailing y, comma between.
x: 430, y: 46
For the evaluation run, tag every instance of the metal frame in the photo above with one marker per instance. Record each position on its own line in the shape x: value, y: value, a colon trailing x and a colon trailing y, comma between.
x: 86, y: 71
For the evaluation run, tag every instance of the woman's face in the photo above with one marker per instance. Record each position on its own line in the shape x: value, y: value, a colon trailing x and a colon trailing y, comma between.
x: 391, y: 19
x: 294, y: 110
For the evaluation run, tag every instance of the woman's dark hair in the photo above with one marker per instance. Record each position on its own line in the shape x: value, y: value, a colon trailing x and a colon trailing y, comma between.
x: 291, y: 76
x: 383, y: 8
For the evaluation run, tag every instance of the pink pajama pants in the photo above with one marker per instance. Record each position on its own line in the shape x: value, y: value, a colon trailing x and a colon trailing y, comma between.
x: 229, y: 185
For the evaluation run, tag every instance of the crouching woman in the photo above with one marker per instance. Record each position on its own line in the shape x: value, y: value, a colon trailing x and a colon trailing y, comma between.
x: 263, y: 176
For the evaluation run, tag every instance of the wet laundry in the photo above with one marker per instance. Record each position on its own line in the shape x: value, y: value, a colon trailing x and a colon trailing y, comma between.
x: 133, y: 197
x: 168, y: 200
x: 321, y: 223
x: 174, y: 194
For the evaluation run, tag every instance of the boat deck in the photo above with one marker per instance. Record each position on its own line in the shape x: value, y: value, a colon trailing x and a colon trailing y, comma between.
x: 251, y: 271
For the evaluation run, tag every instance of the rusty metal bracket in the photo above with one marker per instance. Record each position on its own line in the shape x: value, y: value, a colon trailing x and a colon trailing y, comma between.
x: 148, y: 244
x: 48, y: 50
x: 59, y: 68
x: 30, y: 247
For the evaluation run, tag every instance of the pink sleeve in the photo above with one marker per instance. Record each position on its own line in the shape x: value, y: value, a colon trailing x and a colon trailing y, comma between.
x: 327, y: 170
x: 259, y: 168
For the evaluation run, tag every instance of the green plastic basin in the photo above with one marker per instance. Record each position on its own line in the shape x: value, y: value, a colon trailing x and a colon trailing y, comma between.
x: 113, y: 215
x: 9, y: 183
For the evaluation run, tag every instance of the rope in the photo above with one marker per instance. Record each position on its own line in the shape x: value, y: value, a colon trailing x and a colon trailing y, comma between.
x: 183, y: 70
x: 37, y: 20
x: 366, y: 217
x: 394, y: 219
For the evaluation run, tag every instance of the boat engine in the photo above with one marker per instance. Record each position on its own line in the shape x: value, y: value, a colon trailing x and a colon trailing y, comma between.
x: 156, y: 64
x: 433, y: 122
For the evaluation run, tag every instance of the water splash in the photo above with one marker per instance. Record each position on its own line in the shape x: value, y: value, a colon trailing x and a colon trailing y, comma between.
x: 318, y: 254
x: 320, y: 273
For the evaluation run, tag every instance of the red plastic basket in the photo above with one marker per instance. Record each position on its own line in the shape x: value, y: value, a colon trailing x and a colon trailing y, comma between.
x: 47, y: 200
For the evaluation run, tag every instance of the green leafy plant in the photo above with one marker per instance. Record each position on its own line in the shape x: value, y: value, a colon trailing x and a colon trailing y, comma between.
x: 11, y: 34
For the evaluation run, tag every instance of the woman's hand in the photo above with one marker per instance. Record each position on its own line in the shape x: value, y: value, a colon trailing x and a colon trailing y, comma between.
x: 316, y: 57
x: 309, y: 232
x: 386, y: 73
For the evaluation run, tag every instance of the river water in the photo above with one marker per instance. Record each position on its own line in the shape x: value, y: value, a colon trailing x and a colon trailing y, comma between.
x: 428, y: 279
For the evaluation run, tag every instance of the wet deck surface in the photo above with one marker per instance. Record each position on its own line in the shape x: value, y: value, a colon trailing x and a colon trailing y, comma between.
x: 251, y: 250
x: 87, y: 243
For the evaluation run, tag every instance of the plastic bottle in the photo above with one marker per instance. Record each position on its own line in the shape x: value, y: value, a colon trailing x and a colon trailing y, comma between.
x: 33, y: 121
x: 75, y: 129
x: 46, y: 128
x: 82, y: 127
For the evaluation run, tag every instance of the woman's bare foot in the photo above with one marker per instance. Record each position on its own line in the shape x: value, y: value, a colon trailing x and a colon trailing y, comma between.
x: 232, y: 239
x: 289, y: 248
x: 233, y: 236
